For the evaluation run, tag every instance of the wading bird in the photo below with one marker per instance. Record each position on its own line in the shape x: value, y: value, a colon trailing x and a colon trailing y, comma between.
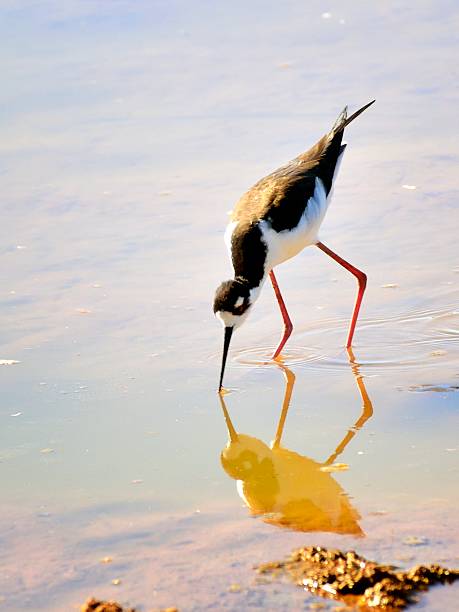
x: 275, y: 220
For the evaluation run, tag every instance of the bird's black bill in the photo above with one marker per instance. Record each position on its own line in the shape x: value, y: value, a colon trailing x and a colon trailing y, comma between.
x: 226, y: 343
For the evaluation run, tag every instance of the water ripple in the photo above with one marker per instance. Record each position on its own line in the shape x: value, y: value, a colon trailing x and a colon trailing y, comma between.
x: 408, y: 340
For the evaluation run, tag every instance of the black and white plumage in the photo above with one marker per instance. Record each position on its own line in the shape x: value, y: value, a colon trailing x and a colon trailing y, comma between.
x: 276, y: 219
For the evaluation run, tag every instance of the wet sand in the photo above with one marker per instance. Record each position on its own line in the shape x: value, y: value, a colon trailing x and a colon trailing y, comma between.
x: 194, y: 560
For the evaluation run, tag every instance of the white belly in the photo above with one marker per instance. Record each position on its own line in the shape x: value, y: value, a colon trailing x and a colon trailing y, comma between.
x: 288, y: 243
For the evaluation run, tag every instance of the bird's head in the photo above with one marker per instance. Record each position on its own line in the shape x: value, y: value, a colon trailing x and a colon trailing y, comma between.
x: 232, y: 302
x: 232, y: 305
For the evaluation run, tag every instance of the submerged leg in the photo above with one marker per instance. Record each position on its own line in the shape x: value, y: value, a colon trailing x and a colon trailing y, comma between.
x: 362, y: 279
x: 287, y: 323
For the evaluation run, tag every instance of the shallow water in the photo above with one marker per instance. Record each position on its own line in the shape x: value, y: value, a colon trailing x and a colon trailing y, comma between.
x: 130, y: 131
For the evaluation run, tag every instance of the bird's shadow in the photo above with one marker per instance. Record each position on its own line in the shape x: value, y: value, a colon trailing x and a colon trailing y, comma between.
x: 285, y: 488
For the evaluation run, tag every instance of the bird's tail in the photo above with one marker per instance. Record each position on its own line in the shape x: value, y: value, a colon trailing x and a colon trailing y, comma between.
x: 343, y: 120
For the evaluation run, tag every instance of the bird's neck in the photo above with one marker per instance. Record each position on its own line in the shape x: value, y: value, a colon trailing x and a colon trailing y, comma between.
x: 255, y: 290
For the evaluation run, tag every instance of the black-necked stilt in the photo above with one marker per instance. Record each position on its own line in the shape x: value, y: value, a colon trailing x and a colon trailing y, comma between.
x: 277, y: 218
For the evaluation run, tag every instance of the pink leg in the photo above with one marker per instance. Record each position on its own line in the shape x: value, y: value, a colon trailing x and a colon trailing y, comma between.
x: 361, y: 277
x: 287, y: 323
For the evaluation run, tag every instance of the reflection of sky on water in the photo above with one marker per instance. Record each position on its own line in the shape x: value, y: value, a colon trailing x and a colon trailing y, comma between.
x: 88, y: 176
x: 129, y: 131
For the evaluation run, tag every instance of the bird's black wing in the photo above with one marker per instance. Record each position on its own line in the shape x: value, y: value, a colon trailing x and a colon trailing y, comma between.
x: 282, y: 197
x: 295, y: 183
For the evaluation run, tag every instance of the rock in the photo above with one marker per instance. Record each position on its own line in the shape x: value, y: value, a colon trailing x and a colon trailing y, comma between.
x: 354, y: 579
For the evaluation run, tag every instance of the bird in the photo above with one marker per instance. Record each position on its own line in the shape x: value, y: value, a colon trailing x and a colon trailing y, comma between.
x: 272, y: 222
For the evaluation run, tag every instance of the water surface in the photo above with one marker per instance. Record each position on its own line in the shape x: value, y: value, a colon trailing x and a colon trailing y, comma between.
x: 129, y: 132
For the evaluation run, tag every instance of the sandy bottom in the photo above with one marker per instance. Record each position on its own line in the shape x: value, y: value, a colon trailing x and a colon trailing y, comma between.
x: 199, y: 561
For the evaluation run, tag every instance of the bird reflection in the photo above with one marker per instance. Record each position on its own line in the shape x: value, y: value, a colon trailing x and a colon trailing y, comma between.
x: 288, y: 489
